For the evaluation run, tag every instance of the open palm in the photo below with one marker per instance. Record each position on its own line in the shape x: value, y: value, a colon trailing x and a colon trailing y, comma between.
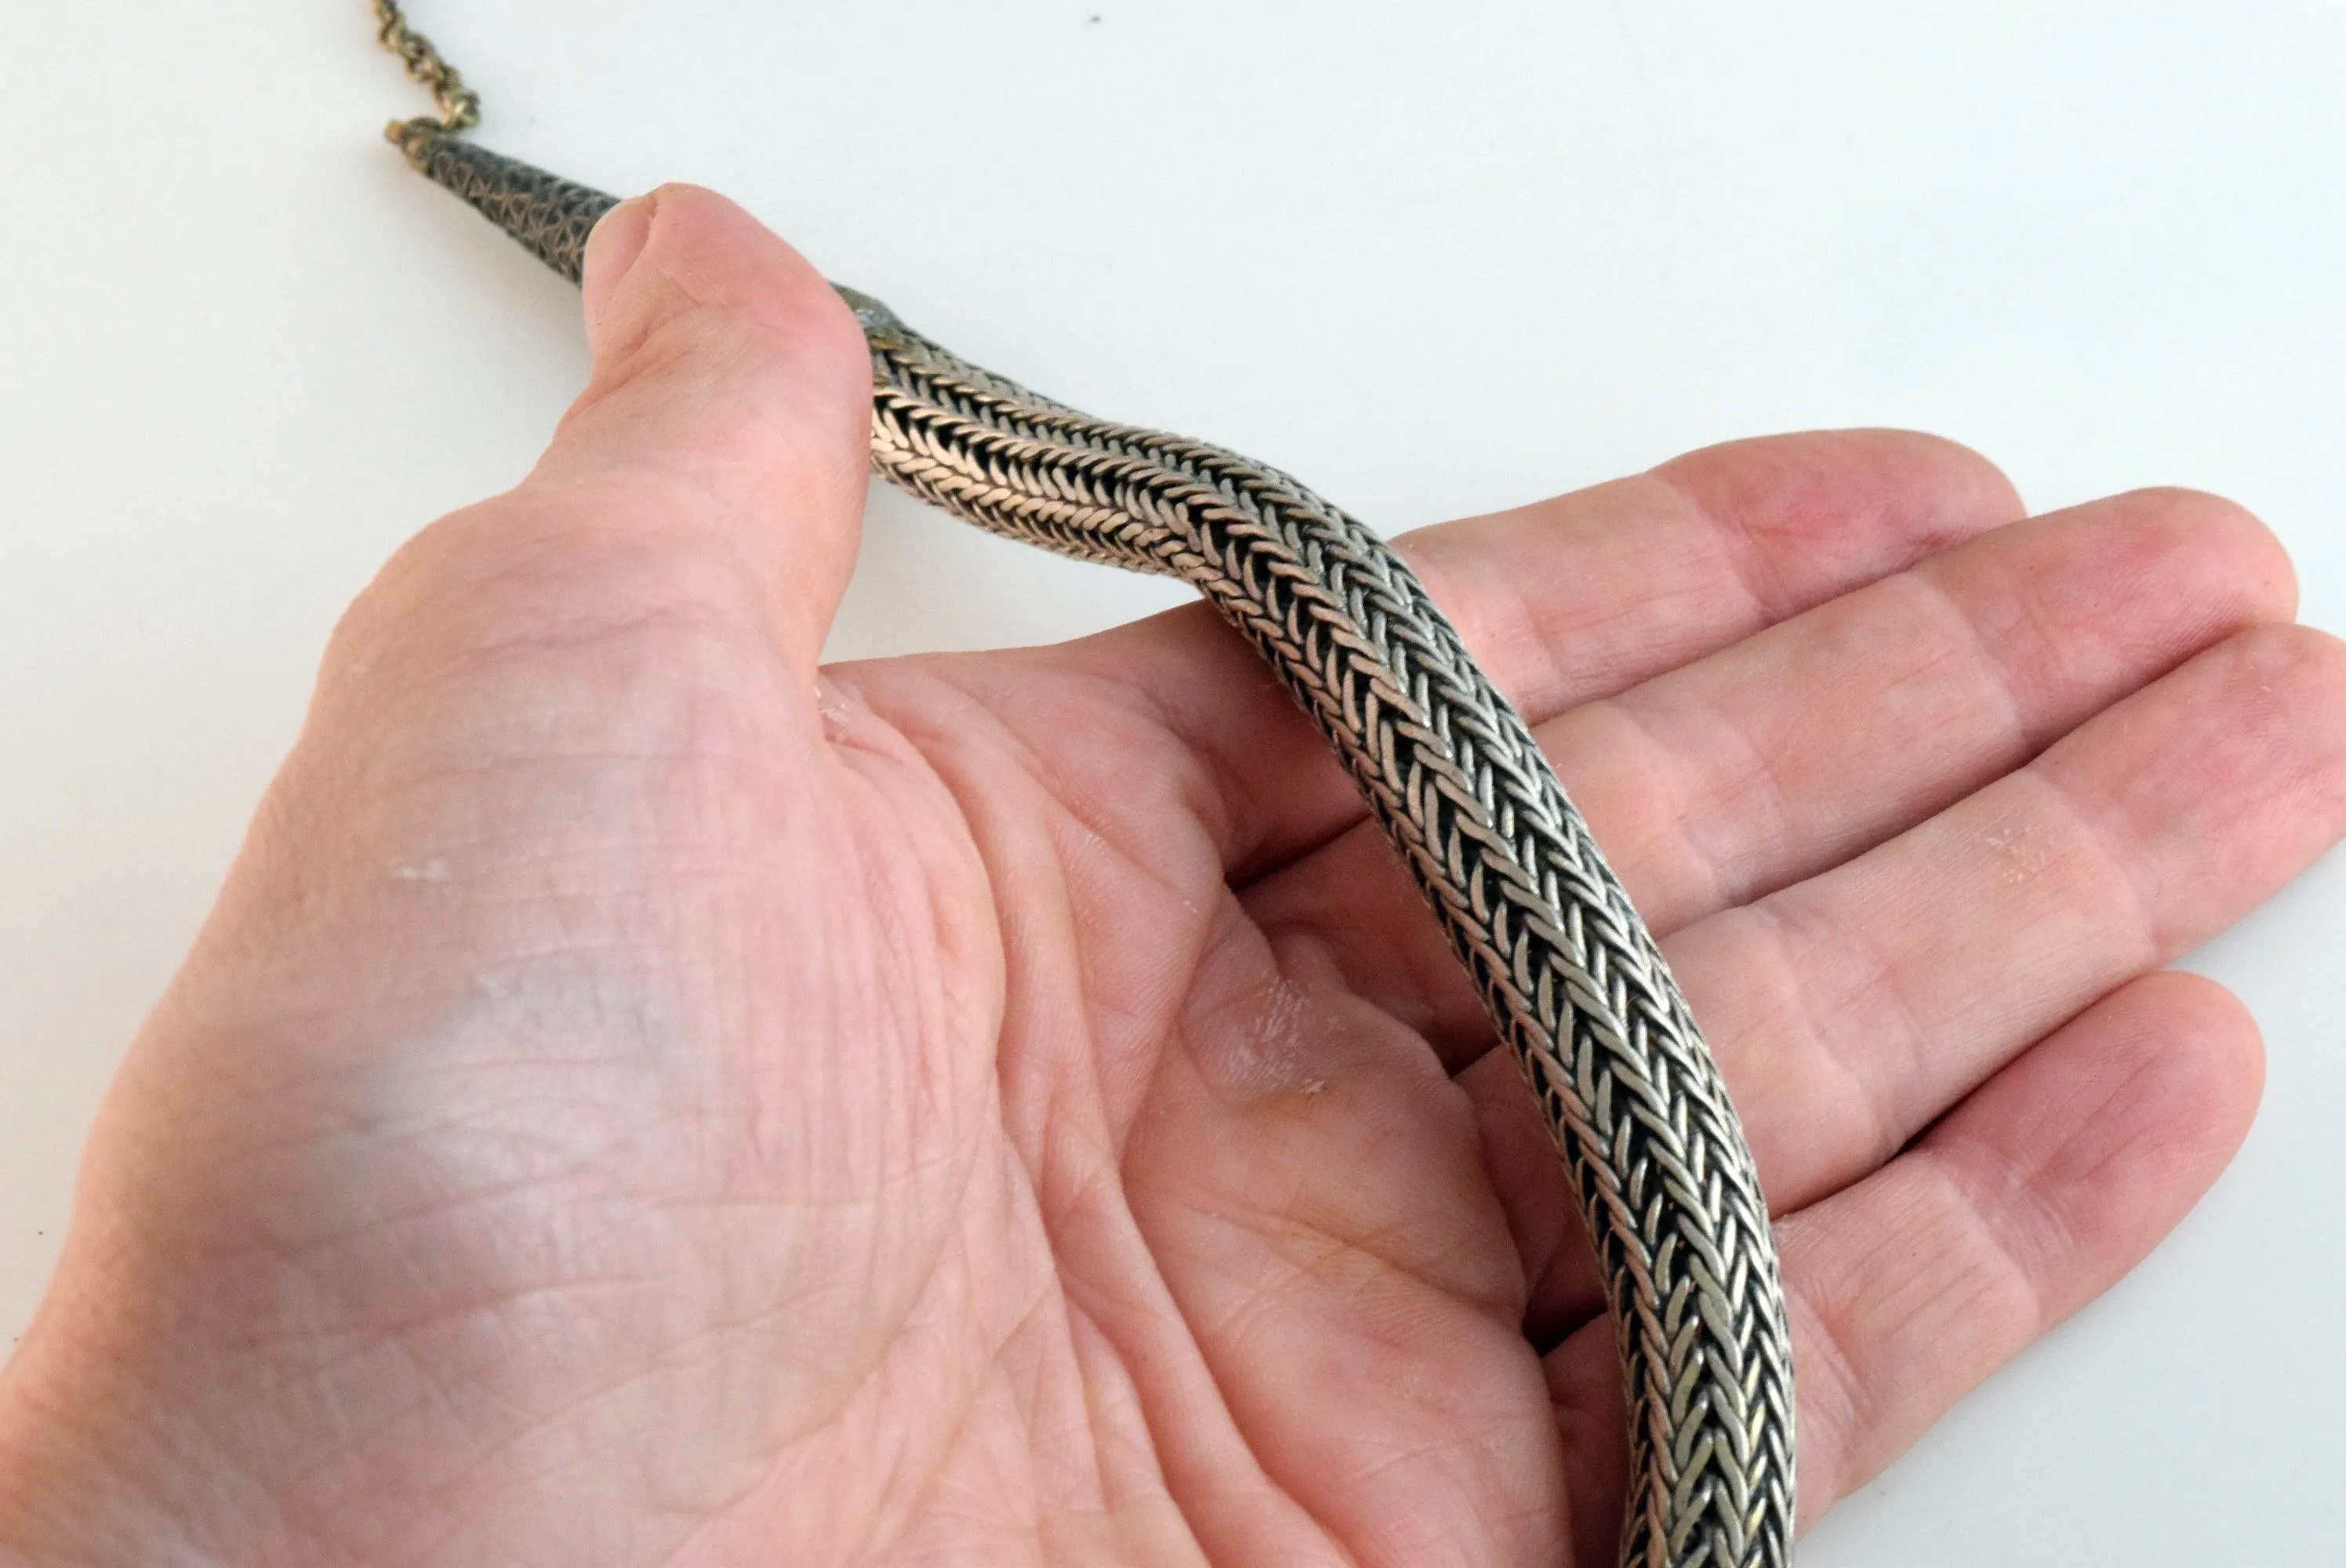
x: 644, y: 1100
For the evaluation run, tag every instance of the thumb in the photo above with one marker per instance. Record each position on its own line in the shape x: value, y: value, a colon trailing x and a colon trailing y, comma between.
x: 730, y: 402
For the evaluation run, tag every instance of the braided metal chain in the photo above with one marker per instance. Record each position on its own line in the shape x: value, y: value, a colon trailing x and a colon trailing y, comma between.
x: 1573, y: 979
x: 1454, y: 776
x: 459, y: 105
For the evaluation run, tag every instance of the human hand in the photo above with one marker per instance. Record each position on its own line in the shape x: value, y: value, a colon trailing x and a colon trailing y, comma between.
x: 641, y: 1099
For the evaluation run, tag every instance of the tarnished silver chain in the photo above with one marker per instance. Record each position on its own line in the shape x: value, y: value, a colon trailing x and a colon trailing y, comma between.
x: 1572, y: 977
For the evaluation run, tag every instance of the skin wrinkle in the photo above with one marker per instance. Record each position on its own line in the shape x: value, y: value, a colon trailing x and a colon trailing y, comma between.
x: 1049, y: 1308
x: 1321, y: 1265
x: 1103, y: 822
x: 2177, y: 513
x: 1105, y: 831
x: 1502, y: 1304
x: 909, y: 1508
x: 1069, y: 1490
x: 693, y: 620
x: 1645, y: 791
x: 474, y: 874
x: 286, y: 1135
x: 1885, y: 1116
x: 1091, y: 1145
x: 2169, y: 1151
x: 1994, y: 1180
x: 337, y: 1145
x: 1962, y: 507
x: 1232, y: 1321
x: 437, y: 1211
x: 1738, y: 540
x: 1710, y: 865
x: 1505, y: 619
x: 1044, y: 898
x: 1102, y: 1424
x: 1594, y: 1458
x: 849, y: 1392
x: 1170, y: 1445
x: 1030, y: 1395
x: 1744, y: 534
x: 2089, y: 1176
x: 903, y: 927
x: 729, y: 319
x: 1998, y: 1237
x: 1242, y: 841
x: 1014, y: 1086
x: 2022, y: 738
x: 2032, y: 636
x: 716, y: 339
x: 221, y: 1440
x: 1318, y: 1265
x: 669, y: 623
x: 1989, y: 1241
x: 1987, y: 1265
x: 2152, y: 945
x: 1426, y: 966
x: 1834, y: 1399
x: 1222, y: 1475
x: 1344, y: 1555
x: 534, y: 1421
x: 422, y: 781
x: 1200, y: 802
x: 1549, y: 1253
x: 111, y: 1535
x: 1531, y: 671
x: 403, y: 1337
x: 883, y: 772
x: 665, y: 819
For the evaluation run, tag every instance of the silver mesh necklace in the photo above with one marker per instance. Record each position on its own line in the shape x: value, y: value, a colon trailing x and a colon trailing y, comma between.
x: 1570, y: 974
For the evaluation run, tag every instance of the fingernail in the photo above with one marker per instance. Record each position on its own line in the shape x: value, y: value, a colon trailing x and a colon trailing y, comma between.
x: 618, y: 241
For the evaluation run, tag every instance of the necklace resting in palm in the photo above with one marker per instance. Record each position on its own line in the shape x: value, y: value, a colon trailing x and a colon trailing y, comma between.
x: 1570, y: 974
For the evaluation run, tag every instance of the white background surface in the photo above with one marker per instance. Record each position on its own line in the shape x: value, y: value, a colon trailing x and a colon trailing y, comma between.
x: 1438, y: 258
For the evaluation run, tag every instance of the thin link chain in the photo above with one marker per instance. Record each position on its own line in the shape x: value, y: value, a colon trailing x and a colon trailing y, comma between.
x: 459, y: 105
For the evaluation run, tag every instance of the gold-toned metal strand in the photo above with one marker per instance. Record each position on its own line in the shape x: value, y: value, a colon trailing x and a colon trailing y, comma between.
x: 459, y: 105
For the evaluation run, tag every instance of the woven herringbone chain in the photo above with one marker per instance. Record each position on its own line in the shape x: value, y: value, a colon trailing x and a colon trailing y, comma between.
x: 1568, y: 969
x: 1571, y: 976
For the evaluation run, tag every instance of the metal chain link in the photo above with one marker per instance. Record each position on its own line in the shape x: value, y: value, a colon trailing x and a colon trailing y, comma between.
x: 459, y: 105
